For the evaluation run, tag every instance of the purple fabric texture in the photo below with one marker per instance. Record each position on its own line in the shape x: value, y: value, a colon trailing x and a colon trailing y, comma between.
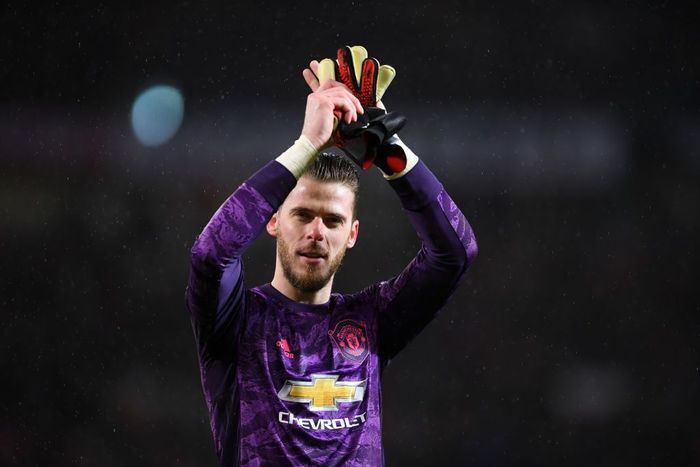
x: 459, y: 224
x: 293, y: 384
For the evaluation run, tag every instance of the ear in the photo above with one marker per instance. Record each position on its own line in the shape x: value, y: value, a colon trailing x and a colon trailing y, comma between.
x: 272, y: 225
x: 354, y: 230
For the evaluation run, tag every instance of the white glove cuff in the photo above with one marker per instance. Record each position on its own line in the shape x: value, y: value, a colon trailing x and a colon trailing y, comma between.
x: 411, y: 160
x: 299, y: 156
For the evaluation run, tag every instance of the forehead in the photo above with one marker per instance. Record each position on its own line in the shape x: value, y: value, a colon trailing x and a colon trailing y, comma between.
x: 321, y: 196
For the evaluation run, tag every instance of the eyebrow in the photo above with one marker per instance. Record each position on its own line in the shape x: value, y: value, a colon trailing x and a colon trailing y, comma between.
x: 300, y: 210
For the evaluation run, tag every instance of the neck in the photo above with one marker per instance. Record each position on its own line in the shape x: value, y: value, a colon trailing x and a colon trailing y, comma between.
x: 317, y: 297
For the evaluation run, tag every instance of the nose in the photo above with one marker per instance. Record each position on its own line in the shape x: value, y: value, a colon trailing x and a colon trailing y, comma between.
x: 317, y: 229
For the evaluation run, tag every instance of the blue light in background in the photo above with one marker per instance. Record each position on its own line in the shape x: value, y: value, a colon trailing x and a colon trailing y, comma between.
x: 157, y: 115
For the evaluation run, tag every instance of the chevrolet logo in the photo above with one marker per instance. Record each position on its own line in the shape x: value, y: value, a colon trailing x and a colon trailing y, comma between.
x: 323, y: 392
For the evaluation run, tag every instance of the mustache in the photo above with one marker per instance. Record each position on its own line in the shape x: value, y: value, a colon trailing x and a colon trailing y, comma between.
x: 313, y: 252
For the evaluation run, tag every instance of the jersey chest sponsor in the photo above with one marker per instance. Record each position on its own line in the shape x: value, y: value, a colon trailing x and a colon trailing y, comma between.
x: 320, y: 424
x: 322, y: 393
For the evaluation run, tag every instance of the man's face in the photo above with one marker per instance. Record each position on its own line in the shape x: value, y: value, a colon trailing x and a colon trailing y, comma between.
x: 314, y: 226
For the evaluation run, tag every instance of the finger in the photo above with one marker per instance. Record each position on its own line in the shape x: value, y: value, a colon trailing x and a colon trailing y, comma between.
x: 345, y: 105
x: 326, y: 70
x: 326, y: 85
x: 342, y: 104
x: 359, y: 54
x: 347, y: 108
x: 311, y: 79
x: 339, y: 85
x: 356, y: 102
x: 384, y: 79
x: 368, y: 81
x: 339, y: 89
x: 314, y: 66
x: 346, y: 74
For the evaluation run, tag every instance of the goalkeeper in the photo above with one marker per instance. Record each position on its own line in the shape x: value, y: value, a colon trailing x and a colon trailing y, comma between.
x: 291, y: 370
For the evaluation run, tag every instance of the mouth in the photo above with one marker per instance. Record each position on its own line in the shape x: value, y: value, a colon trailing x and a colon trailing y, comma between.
x: 312, y: 257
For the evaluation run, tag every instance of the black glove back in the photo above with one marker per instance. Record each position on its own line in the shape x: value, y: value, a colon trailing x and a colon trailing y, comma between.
x: 361, y: 140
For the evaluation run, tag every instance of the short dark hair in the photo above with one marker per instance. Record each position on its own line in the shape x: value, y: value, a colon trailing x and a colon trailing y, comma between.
x: 330, y: 167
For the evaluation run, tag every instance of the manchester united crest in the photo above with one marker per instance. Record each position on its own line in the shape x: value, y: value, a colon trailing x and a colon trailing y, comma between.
x: 351, y: 339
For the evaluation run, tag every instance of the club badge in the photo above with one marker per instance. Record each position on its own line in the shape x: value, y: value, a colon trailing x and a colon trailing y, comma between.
x: 351, y: 339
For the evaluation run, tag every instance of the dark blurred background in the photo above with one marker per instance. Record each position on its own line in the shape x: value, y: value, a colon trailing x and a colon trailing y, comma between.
x: 568, y: 132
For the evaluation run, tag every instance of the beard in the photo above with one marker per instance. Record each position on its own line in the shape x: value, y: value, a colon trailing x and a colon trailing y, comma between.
x: 315, y: 276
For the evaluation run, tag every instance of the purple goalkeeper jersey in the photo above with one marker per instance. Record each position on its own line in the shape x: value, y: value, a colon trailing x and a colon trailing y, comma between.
x: 288, y: 383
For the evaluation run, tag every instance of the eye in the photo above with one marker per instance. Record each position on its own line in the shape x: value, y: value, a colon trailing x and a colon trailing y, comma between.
x: 333, y: 222
x: 304, y: 216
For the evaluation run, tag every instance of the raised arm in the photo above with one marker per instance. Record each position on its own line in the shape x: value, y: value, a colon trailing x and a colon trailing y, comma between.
x: 408, y: 302
x: 215, y: 293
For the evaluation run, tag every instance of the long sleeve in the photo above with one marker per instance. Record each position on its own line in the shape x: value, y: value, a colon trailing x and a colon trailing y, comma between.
x: 409, y: 301
x: 215, y: 292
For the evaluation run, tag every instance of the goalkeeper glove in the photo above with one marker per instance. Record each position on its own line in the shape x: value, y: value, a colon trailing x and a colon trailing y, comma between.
x: 362, y: 141
x: 363, y: 75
